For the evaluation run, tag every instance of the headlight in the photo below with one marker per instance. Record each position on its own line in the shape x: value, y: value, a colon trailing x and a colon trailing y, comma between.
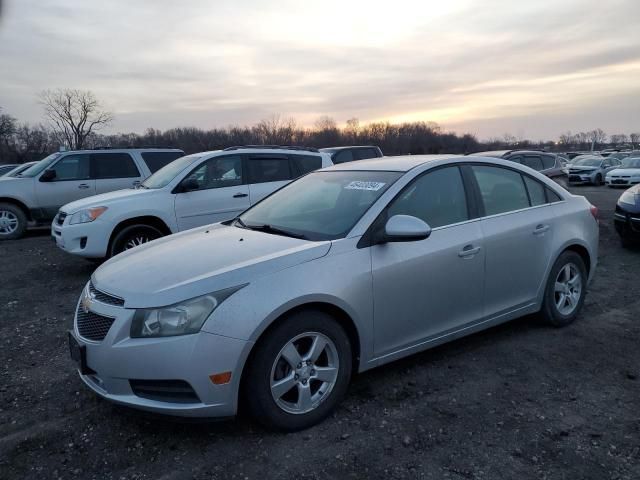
x: 628, y: 197
x: 180, y: 319
x: 87, y: 215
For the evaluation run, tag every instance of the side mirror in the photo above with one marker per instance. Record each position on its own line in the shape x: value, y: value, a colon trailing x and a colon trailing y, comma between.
x: 48, y: 175
x: 189, y: 184
x: 405, y: 228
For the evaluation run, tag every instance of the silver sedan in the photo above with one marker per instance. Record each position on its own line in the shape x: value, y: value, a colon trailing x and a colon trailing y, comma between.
x: 341, y: 271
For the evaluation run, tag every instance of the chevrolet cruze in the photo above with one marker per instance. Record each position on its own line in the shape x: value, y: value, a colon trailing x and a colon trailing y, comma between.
x: 343, y: 270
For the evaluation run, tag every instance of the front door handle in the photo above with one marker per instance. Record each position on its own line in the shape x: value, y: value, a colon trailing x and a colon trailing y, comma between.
x: 83, y: 186
x: 240, y: 195
x: 468, y: 251
x: 540, y: 229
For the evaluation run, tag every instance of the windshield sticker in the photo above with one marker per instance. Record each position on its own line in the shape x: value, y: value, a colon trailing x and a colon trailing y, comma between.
x: 371, y: 186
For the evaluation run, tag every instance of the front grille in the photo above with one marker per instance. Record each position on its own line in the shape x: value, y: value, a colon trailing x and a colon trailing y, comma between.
x: 173, y: 391
x: 91, y: 325
x: 60, y: 218
x: 105, y: 297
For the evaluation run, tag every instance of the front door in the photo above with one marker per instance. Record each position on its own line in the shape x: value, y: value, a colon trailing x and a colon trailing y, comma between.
x: 71, y: 182
x: 221, y: 193
x: 427, y: 288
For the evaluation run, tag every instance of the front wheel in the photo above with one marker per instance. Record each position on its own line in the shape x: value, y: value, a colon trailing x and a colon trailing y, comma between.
x: 133, y: 236
x: 299, y: 372
x: 13, y: 221
x: 598, y: 180
x: 565, y: 290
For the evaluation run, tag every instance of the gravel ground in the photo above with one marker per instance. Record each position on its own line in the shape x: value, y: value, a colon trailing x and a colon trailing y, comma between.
x: 518, y: 401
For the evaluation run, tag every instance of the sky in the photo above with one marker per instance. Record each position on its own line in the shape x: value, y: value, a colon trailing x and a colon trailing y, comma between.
x: 531, y: 69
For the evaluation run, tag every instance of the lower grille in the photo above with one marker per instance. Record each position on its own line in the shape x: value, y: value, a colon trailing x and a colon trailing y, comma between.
x: 91, y: 325
x: 173, y: 391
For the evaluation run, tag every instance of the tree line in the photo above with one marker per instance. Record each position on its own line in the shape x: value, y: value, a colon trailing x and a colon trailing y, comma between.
x: 73, y: 120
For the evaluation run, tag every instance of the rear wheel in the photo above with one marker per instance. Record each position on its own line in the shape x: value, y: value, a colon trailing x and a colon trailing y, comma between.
x: 299, y: 372
x: 133, y: 236
x: 13, y: 221
x: 565, y: 290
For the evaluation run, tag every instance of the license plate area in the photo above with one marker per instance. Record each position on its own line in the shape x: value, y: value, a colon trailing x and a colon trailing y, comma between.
x: 78, y: 354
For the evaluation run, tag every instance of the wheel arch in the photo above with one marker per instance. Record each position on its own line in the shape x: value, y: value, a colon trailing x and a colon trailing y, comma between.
x: 148, y: 220
x: 18, y: 204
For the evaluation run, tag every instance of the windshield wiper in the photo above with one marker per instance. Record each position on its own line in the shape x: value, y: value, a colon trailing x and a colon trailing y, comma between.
x: 275, y: 230
x: 239, y: 221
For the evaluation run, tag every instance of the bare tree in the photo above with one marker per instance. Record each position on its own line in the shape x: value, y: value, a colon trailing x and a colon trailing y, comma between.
x: 635, y: 138
x: 597, y: 137
x: 352, y: 128
x: 30, y: 142
x: 74, y: 114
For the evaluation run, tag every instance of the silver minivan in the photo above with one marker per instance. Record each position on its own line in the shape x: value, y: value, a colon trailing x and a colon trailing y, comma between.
x: 343, y: 270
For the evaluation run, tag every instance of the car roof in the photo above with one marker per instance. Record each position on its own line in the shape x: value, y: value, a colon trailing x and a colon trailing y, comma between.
x: 119, y: 150
x: 284, y: 151
x: 337, y: 149
x: 402, y: 163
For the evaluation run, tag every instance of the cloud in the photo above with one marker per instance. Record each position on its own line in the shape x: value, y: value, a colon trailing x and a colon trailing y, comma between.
x: 485, y: 66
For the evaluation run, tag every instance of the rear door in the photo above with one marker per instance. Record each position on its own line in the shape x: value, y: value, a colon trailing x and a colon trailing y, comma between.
x: 267, y: 173
x: 72, y: 182
x: 221, y: 193
x: 518, y: 227
x: 114, y: 171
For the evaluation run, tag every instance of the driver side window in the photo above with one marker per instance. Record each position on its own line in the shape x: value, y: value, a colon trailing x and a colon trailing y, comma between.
x: 72, y: 167
x: 218, y: 172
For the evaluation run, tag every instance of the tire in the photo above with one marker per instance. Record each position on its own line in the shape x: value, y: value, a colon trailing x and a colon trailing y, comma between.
x: 626, y: 242
x: 285, y: 410
x: 598, y: 180
x: 133, y: 236
x: 566, y: 313
x: 13, y: 221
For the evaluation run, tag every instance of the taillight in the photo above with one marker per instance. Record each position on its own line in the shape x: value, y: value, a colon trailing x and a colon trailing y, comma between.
x: 594, y: 212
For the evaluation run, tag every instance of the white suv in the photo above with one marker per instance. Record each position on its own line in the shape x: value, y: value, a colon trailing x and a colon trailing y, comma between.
x: 35, y: 195
x: 195, y: 190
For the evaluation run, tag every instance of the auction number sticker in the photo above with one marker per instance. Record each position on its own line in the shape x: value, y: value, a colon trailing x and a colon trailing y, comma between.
x: 371, y: 186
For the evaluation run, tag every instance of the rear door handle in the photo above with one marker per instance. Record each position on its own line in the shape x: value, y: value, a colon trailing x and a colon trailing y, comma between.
x: 540, y: 229
x: 468, y: 251
x: 240, y: 195
x: 83, y: 186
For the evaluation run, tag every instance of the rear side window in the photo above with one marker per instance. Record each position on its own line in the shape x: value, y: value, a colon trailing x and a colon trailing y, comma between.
x: 343, y: 156
x: 364, y: 153
x: 306, y: 163
x: 548, y: 161
x: 532, y: 161
x: 156, y: 160
x: 437, y: 197
x: 262, y: 170
x: 502, y: 190
x: 536, y: 191
x: 113, y: 165
x: 72, y: 167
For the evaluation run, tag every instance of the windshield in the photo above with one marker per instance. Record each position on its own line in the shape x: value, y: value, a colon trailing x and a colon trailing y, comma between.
x: 163, y: 177
x: 319, y: 206
x: 588, y: 162
x: 40, y: 166
x: 631, y: 163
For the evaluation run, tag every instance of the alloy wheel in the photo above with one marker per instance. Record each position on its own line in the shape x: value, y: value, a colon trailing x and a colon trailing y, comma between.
x: 8, y: 222
x: 568, y: 289
x: 304, y: 372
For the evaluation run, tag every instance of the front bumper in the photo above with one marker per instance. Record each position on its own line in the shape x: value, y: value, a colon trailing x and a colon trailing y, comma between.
x: 627, y: 224
x: 117, y: 360
x: 577, y: 178
x: 89, y: 240
x: 621, y: 181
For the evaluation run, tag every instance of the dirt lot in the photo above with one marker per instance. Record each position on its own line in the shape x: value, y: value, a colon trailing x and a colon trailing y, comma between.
x: 518, y: 401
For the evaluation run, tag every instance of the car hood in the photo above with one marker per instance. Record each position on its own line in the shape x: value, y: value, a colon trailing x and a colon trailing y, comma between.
x: 625, y: 171
x: 105, y: 198
x: 199, y: 261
